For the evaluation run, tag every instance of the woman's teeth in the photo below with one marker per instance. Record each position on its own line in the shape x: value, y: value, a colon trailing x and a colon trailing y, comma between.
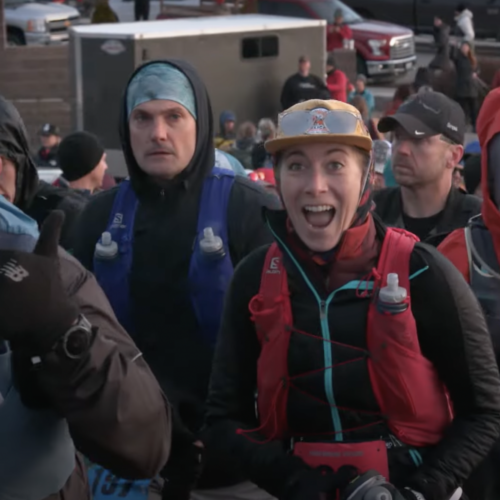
x: 318, y: 208
x: 319, y: 216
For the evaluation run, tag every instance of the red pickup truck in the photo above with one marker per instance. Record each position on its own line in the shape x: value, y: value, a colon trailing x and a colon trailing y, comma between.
x: 383, y: 49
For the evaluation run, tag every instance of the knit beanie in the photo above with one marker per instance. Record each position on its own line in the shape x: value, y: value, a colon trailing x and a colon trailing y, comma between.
x: 78, y: 154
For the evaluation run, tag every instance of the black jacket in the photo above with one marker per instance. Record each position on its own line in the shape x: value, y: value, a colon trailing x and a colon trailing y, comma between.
x: 465, y: 83
x: 460, y: 207
x: 452, y: 334
x: 70, y: 201
x: 442, y: 41
x: 164, y: 232
x: 300, y: 88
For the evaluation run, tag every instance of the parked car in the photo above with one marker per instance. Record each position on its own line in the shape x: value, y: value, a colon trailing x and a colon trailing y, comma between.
x: 383, y: 49
x: 31, y: 23
x: 419, y: 14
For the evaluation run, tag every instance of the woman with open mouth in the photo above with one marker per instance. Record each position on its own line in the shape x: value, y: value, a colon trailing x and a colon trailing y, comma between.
x: 352, y: 360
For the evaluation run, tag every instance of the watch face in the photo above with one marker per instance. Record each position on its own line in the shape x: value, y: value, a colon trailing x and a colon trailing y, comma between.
x: 77, y: 343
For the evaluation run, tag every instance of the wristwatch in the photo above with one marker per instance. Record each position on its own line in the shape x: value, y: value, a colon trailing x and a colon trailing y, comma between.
x: 75, y: 343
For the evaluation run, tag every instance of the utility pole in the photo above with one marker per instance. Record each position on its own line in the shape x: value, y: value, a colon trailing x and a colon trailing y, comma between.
x: 3, y: 43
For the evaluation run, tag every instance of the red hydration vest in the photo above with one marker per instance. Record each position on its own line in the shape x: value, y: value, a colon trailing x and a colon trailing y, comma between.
x: 405, y: 383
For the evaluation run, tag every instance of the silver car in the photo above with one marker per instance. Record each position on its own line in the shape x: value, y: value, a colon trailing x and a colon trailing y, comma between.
x: 32, y: 23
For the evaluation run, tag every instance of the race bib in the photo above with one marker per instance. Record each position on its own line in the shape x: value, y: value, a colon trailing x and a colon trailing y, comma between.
x: 104, y: 485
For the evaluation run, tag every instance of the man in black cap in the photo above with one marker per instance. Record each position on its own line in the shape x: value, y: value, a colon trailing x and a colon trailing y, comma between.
x: 50, y: 137
x: 428, y: 136
x: 303, y: 86
x: 82, y: 159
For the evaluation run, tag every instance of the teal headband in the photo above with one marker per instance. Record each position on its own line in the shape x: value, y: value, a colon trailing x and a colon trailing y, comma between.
x: 160, y: 81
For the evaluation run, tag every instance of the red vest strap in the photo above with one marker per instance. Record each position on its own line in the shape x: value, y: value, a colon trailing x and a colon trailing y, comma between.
x: 272, y: 313
x: 395, y: 255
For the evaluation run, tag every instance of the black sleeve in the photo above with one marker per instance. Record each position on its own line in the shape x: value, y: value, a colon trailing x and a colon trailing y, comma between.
x: 287, y: 94
x: 454, y: 337
x: 89, y: 226
x: 246, y: 226
x: 231, y: 397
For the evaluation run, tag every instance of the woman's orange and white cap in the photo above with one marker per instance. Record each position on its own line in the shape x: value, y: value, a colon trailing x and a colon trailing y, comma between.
x: 320, y: 121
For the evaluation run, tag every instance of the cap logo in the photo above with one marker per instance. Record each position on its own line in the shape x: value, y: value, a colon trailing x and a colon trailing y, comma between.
x: 46, y: 127
x: 452, y: 127
x: 428, y: 108
x: 318, y: 125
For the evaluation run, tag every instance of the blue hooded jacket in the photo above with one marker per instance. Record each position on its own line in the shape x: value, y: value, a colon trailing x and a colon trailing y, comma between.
x: 37, y: 454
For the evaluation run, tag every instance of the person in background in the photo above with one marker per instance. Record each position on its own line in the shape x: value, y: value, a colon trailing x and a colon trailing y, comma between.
x: 422, y: 80
x: 464, y: 23
x: 371, y: 123
x: 82, y: 159
x: 141, y: 10
x: 336, y: 80
x: 466, y: 90
x: 475, y: 252
x: 337, y: 32
x: 50, y: 137
x: 361, y: 90
x: 441, y: 60
x: 266, y: 130
x: 496, y: 80
x: 381, y: 154
x: 227, y: 131
x: 108, y: 181
x: 458, y: 177
x: 428, y: 133
x: 245, y: 141
x: 303, y: 86
x: 229, y: 162
x: 402, y: 93
x: 472, y: 175
x: 103, y: 13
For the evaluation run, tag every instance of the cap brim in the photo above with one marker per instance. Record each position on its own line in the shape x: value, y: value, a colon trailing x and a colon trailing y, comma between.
x: 412, y: 126
x: 276, y: 145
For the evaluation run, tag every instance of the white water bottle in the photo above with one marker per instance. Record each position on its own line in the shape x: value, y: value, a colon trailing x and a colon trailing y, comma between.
x: 211, y: 245
x: 106, y: 248
x: 392, y: 298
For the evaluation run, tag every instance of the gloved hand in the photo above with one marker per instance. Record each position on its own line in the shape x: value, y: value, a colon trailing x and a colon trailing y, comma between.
x: 35, y: 308
x: 372, y: 486
x: 310, y: 484
x: 185, y: 464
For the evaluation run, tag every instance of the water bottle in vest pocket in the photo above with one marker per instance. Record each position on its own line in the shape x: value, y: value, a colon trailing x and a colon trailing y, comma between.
x: 211, y: 269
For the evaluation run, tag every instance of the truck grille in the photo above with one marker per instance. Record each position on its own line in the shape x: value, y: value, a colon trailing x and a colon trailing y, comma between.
x: 403, y: 47
x: 62, y: 25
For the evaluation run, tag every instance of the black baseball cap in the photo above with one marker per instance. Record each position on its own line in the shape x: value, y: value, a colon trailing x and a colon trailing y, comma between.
x: 426, y: 114
x: 48, y: 129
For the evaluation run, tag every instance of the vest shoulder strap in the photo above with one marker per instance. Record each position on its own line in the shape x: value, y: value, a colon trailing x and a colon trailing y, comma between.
x: 273, y: 291
x: 395, y: 255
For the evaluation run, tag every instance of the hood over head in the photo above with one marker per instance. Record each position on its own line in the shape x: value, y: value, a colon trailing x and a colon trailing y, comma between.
x: 169, y: 79
x: 488, y: 130
x: 15, y: 147
x: 226, y: 116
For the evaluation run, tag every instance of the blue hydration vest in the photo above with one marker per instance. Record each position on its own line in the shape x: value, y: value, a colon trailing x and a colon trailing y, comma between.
x: 37, y: 454
x: 209, y: 280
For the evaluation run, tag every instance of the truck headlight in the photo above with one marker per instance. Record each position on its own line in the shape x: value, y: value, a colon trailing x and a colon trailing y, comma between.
x: 36, y: 26
x: 376, y: 46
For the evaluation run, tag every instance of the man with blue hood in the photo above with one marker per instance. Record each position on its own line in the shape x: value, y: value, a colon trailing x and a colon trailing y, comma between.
x: 70, y: 377
x: 163, y: 246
